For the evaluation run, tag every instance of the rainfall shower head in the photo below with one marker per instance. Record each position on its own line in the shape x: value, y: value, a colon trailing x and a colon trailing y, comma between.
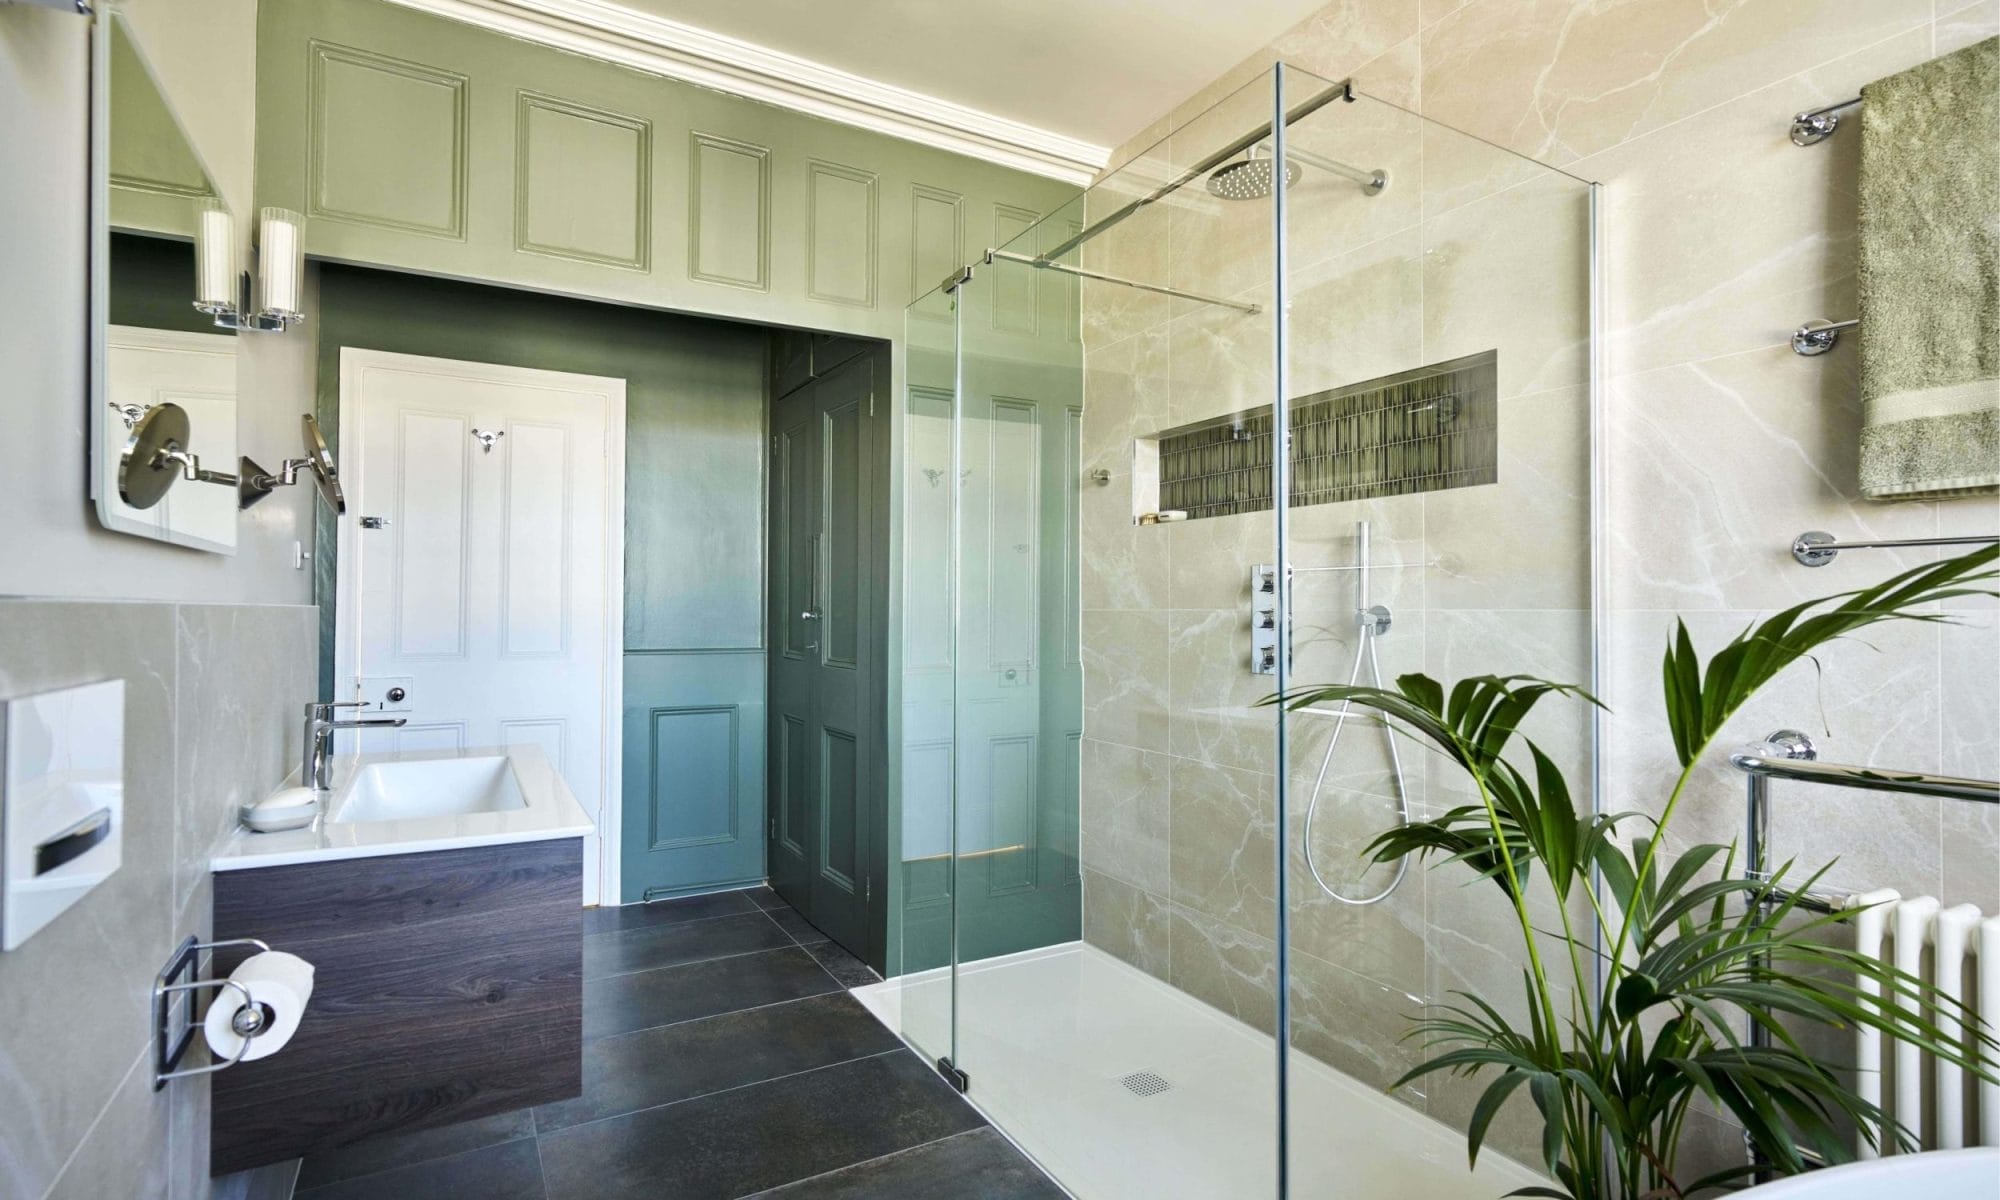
x: 1248, y: 179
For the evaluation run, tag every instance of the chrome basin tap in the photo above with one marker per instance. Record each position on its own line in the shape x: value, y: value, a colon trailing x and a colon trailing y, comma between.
x: 314, y: 768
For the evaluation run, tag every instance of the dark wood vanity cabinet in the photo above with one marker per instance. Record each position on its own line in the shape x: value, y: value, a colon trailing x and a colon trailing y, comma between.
x: 449, y: 986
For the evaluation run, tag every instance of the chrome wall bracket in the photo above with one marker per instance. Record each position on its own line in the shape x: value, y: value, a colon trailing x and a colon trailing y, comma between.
x: 181, y: 974
x: 1815, y: 125
x: 1817, y: 337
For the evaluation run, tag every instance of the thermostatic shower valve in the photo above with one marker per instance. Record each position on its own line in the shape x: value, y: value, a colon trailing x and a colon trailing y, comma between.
x: 1264, y: 638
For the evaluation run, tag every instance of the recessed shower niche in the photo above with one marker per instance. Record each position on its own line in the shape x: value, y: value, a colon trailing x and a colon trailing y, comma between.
x: 1423, y: 430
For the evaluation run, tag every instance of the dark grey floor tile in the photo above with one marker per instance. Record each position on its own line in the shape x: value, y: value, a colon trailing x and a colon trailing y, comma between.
x: 849, y: 970
x: 734, y: 1143
x: 401, y: 1149
x: 694, y: 1058
x: 980, y: 1163
x: 667, y: 912
x: 798, y: 927
x: 509, y: 1171
x: 649, y: 946
x: 765, y: 897
x: 644, y: 999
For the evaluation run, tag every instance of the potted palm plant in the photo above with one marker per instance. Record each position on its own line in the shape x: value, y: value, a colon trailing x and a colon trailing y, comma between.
x: 1664, y: 956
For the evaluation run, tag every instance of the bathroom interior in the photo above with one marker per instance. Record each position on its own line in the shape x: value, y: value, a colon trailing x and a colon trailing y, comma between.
x: 666, y: 598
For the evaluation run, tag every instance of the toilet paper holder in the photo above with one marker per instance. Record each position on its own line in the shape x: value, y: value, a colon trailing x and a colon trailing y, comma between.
x: 179, y: 976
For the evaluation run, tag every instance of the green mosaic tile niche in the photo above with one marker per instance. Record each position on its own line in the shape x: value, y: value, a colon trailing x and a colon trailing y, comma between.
x: 1424, y: 430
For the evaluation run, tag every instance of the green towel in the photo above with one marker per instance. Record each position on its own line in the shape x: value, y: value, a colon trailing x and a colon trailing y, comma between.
x: 1930, y: 278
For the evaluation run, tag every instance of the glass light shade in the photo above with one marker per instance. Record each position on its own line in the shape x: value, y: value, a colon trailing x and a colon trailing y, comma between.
x: 215, y: 257
x: 281, y: 262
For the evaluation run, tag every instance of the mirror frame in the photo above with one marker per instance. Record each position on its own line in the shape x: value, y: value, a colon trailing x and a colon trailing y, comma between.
x: 98, y: 417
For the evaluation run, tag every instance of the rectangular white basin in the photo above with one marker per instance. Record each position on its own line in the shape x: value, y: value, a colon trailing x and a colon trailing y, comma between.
x: 437, y: 787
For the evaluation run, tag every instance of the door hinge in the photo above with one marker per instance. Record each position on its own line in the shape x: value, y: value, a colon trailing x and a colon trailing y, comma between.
x: 774, y: 829
x: 868, y: 890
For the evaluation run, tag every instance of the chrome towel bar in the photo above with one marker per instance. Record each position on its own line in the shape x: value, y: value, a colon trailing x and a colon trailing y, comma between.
x: 1816, y: 547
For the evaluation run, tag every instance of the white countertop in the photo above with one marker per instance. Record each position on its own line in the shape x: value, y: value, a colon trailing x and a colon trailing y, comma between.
x: 550, y: 812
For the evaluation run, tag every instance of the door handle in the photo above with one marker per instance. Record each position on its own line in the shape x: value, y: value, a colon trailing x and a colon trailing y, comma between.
x: 811, y: 614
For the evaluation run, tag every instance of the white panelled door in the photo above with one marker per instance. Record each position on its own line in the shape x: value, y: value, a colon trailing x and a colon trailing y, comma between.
x: 481, y: 563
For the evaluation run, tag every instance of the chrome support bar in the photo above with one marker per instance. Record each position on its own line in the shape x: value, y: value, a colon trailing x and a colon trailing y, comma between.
x: 1816, y: 547
x: 1046, y: 264
x: 1817, y: 337
x: 1815, y: 125
x: 1789, y: 754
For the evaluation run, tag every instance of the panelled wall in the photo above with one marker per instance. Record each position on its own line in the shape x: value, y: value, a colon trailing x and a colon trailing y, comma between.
x: 413, y: 141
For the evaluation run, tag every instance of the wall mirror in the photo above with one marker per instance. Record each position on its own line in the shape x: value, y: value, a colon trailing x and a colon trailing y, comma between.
x: 151, y: 347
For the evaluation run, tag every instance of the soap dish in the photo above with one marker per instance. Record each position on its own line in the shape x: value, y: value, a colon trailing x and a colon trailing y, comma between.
x: 292, y: 808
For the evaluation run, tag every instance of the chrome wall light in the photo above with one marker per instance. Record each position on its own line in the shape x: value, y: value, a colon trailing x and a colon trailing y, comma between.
x: 223, y: 286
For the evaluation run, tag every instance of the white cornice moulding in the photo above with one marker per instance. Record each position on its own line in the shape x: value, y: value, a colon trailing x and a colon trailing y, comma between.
x: 660, y: 46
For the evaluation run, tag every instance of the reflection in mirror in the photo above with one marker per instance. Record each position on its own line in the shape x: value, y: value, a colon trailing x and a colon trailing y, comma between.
x: 158, y: 350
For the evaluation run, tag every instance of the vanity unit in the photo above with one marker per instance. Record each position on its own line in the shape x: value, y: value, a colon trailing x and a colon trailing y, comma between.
x: 440, y: 898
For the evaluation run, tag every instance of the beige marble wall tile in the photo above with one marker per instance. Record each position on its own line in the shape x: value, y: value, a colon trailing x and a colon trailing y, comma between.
x: 1354, y: 1025
x: 1356, y: 316
x: 1968, y: 697
x: 1339, y: 36
x: 1481, y: 259
x: 1125, y: 814
x: 1221, y: 362
x: 1868, y: 700
x: 1223, y: 861
x: 1552, y: 644
x: 1971, y: 866
x: 1523, y: 542
x: 1559, y: 79
x: 1223, y: 966
x: 1126, y: 922
x: 1214, y: 710
x: 1327, y: 214
x: 1960, y: 27
x: 1720, y: 464
x: 1723, y: 236
x: 57, y: 1076
x: 1213, y: 559
x: 244, y: 676
x: 1382, y: 942
x: 125, y: 1152
x: 1125, y: 693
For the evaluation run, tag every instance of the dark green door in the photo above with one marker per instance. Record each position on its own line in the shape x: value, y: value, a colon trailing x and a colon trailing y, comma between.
x: 826, y: 799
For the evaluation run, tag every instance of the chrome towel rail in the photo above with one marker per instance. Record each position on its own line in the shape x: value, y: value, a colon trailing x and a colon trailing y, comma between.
x: 1816, y: 547
x: 1789, y: 755
x: 1815, y: 125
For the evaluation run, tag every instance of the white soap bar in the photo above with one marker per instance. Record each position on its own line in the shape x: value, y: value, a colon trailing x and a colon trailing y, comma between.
x: 293, y: 808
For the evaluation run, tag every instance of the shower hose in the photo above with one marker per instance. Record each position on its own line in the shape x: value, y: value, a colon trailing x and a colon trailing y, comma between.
x: 1372, y: 622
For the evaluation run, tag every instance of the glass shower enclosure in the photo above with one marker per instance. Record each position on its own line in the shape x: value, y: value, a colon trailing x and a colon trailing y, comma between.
x: 1301, y: 395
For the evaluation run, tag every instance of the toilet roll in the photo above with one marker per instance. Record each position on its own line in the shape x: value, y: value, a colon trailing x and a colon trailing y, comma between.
x: 280, y: 983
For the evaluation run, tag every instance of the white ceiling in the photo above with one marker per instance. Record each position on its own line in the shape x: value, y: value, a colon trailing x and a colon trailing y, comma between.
x: 1097, y: 71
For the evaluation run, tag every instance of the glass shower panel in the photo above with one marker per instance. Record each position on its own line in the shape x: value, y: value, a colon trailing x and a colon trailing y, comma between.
x: 1438, y: 370
x: 921, y: 1007
x: 1116, y: 784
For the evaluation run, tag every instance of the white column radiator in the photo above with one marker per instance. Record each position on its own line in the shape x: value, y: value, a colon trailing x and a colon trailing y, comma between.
x: 1957, y: 950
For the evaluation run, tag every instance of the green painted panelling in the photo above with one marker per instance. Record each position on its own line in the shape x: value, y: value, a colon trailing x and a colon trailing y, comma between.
x: 694, y: 526
x: 402, y: 136
x: 694, y: 428
x: 152, y: 285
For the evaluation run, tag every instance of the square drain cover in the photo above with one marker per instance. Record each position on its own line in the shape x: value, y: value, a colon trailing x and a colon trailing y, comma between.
x: 1145, y: 1083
